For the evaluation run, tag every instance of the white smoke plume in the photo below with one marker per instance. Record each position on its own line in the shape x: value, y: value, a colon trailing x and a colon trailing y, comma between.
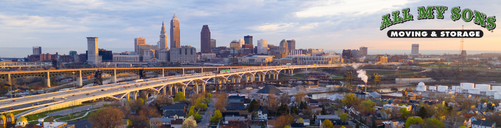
x: 362, y: 75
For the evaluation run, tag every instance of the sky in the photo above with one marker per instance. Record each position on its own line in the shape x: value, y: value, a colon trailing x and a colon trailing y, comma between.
x: 327, y: 24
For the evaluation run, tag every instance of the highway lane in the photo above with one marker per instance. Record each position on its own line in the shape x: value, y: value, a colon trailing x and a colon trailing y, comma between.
x: 26, y: 105
x: 96, y: 92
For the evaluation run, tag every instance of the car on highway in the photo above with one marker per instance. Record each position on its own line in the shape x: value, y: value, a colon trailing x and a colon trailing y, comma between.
x: 87, y: 94
x: 13, y: 100
x: 103, y: 90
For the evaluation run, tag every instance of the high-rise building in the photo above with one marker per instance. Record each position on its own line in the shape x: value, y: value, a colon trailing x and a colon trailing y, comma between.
x: 363, y: 51
x: 162, y: 44
x: 262, y: 46
x: 248, y: 39
x: 291, y: 45
x: 137, y: 42
x: 174, y: 33
x: 163, y: 55
x: 212, y: 43
x: 284, y: 47
x: 37, y: 50
x: 241, y: 41
x: 105, y: 55
x: 205, y: 39
x: 184, y: 54
x: 235, y: 45
x: 415, y: 49
x: 92, y: 51
x: 73, y: 53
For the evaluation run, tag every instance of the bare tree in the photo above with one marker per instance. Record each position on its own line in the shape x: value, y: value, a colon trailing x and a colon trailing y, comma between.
x: 108, y: 117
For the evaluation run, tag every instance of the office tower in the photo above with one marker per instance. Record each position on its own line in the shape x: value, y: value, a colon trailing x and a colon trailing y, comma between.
x: 241, y: 41
x: 105, y: 55
x: 262, y: 46
x: 205, y: 39
x: 148, y: 55
x: 284, y: 47
x: 184, y: 54
x: 212, y: 43
x: 415, y: 49
x: 363, y: 51
x: 162, y: 44
x: 235, y: 45
x: 92, y: 51
x: 163, y: 55
x: 174, y: 33
x: 73, y: 53
x: 291, y: 45
x: 37, y: 50
x: 248, y: 39
x: 137, y: 42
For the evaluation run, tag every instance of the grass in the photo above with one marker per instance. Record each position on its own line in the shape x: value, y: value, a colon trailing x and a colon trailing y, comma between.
x: 17, y: 112
x: 37, y: 116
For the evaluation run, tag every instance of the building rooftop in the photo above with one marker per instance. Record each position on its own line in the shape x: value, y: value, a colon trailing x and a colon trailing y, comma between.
x: 328, y: 117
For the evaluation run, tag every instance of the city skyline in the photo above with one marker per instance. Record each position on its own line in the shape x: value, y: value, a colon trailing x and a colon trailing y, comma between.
x: 302, y: 25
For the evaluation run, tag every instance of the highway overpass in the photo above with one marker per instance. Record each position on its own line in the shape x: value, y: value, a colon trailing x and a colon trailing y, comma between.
x: 158, y: 85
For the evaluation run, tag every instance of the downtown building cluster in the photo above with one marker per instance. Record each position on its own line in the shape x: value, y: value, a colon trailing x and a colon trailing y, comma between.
x: 240, y: 51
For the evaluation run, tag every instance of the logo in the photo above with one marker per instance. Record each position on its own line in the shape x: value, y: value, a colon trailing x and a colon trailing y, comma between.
x: 432, y: 12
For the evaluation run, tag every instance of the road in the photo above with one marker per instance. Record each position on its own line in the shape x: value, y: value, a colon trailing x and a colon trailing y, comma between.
x: 206, y: 117
x: 78, y: 109
x: 96, y: 92
x: 20, y: 106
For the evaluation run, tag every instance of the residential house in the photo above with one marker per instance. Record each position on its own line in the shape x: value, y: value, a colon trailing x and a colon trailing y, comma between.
x: 177, y: 111
x: 160, y: 122
x: 321, y: 118
x: 483, y: 124
x: 176, y: 123
x: 262, y: 114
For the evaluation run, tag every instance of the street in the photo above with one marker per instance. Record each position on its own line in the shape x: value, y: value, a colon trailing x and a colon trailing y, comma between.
x: 206, y: 117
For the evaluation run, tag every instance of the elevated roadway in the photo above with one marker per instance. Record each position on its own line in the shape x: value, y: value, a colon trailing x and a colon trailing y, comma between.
x: 154, y: 85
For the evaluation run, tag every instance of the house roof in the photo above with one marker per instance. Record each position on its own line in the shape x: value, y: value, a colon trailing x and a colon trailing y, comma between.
x: 163, y: 120
x: 172, y: 113
x: 483, y: 123
x: 174, y: 107
x: 178, y: 121
x: 235, y: 107
x: 269, y: 88
x: 328, y: 117
x: 297, y: 125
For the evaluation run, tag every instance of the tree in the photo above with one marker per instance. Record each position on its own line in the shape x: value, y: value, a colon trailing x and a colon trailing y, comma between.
x: 108, y: 117
x: 463, y: 127
x: 323, y: 112
x: 368, y: 105
x: 327, y: 124
x: 287, y: 126
x: 422, y: 112
x: 221, y: 102
x: 179, y: 97
x: 217, y: 116
x: 209, y: 96
x: 404, y: 112
x: 350, y: 99
x: 272, y: 103
x: 344, y: 117
x: 342, y: 127
x: 300, y: 120
x: 189, y: 122
x: 299, y: 97
x: 199, y: 105
x: 281, y: 122
x: 413, y: 120
x: 253, y: 105
x: 433, y: 123
x: 284, y: 98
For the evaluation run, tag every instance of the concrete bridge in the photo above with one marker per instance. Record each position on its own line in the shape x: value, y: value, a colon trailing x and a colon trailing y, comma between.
x: 164, y: 85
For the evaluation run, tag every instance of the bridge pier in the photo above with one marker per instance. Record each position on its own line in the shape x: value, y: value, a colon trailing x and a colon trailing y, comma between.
x: 177, y: 90
x: 114, y: 77
x: 203, y: 87
x: 170, y: 88
x: 264, y: 77
x: 9, y: 80
x: 48, y: 79
x: 165, y: 90
x: 276, y: 76
x: 183, y: 71
x: 246, y: 79
x: 128, y: 96
x: 259, y: 77
x: 135, y: 95
x: 269, y: 75
x: 196, y: 85
x: 184, y: 90
x: 80, y: 82
x: 163, y: 72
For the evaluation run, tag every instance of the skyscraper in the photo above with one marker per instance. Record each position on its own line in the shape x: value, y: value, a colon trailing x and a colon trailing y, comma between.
x: 174, y: 33
x: 212, y: 43
x: 262, y: 46
x: 137, y: 42
x: 284, y: 47
x: 363, y: 51
x: 205, y: 39
x: 37, y: 50
x: 291, y: 45
x: 92, y: 51
x: 248, y: 39
x: 241, y: 41
x: 415, y: 49
x: 163, y: 38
